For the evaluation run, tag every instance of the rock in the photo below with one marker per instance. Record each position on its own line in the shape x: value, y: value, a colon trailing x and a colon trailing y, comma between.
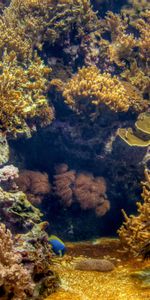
x: 4, y: 150
x: 91, y: 264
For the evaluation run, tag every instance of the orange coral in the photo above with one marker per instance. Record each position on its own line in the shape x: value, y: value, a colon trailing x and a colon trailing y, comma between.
x: 34, y: 184
x: 84, y: 188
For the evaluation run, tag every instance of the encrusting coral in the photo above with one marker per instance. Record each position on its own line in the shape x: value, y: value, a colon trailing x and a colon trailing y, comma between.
x: 17, y: 212
x: 140, y: 135
x: 23, y: 101
x: 84, y: 188
x: 135, y: 231
x: 35, y: 184
x: 15, y: 281
x: 25, y: 261
x: 89, y: 88
x: 37, y: 258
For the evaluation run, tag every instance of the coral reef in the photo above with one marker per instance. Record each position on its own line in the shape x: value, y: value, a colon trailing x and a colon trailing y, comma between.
x: 84, y: 188
x: 15, y: 281
x: 22, y: 96
x: 26, y: 25
x: 25, y: 264
x: 4, y: 149
x: 89, y: 89
x: 135, y: 231
x: 36, y: 256
x: 91, y: 264
x: 34, y: 184
x: 8, y: 174
x: 17, y: 212
x: 140, y: 136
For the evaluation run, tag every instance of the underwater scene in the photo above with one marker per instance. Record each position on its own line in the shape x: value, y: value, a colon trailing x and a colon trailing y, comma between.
x: 74, y: 149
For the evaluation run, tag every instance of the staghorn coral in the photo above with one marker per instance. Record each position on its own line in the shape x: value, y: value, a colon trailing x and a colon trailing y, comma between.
x: 84, y: 188
x: 34, y: 184
x: 139, y: 78
x: 122, y: 44
x: 90, y: 89
x: 22, y: 96
x: 17, y: 212
x: 135, y: 231
x: 15, y: 281
x: 139, y: 5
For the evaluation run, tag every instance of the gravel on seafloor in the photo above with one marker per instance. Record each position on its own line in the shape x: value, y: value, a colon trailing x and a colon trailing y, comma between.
x: 90, y: 285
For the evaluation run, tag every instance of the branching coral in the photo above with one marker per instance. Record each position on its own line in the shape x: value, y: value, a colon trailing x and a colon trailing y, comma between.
x: 89, y: 88
x: 135, y: 231
x: 138, y: 78
x: 122, y: 44
x: 34, y: 184
x: 15, y: 280
x: 22, y: 96
x: 84, y: 188
x: 27, y: 24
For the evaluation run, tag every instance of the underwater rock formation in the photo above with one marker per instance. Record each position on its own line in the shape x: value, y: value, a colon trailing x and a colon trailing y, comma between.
x: 25, y: 264
x: 83, y: 188
x: 15, y: 281
x: 4, y: 149
x: 36, y: 256
x: 35, y: 184
x: 17, y: 212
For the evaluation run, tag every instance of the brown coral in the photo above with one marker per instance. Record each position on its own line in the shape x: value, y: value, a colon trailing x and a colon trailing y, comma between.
x: 22, y: 96
x: 35, y: 184
x: 15, y: 280
x: 27, y: 24
x: 89, y: 88
x: 135, y: 231
x: 84, y: 188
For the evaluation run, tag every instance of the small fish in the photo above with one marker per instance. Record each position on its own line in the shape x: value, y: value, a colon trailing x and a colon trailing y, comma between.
x: 57, y: 244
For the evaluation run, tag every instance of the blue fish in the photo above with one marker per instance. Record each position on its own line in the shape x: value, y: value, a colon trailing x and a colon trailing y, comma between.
x: 57, y: 245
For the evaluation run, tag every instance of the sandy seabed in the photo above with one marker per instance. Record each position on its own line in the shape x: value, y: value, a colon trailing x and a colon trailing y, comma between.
x: 86, y: 285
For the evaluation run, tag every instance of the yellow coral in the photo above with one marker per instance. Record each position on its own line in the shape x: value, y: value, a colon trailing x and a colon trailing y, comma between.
x: 22, y: 95
x: 90, y: 87
x: 135, y: 231
x: 25, y: 25
x: 140, y: 136
x: 122, y: 44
